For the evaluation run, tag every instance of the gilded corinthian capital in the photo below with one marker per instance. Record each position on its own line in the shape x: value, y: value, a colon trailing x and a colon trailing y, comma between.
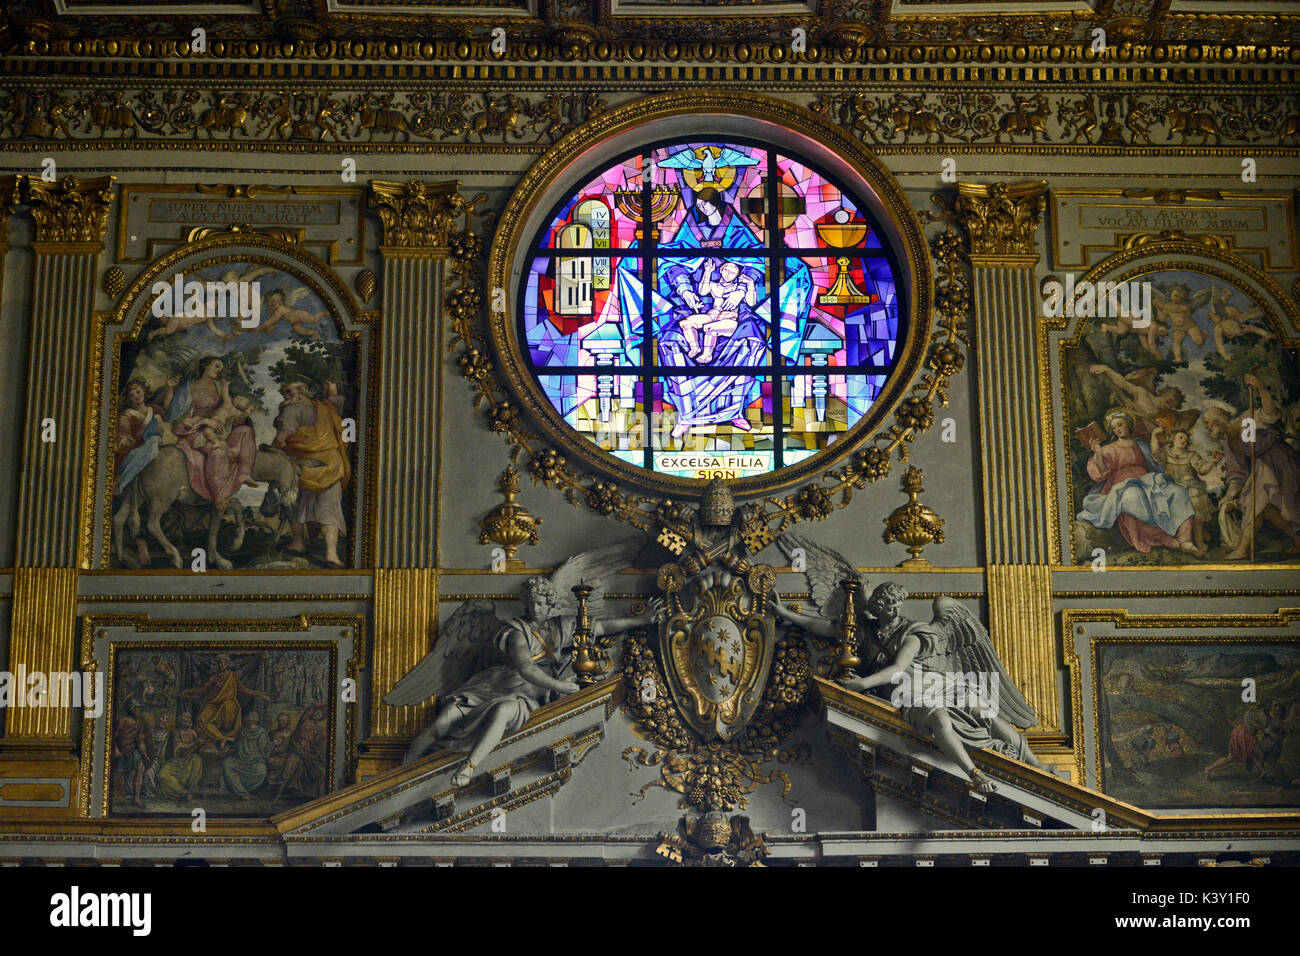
x: 1001, y: 218
x: 69, y: 211
x: 419, y: 215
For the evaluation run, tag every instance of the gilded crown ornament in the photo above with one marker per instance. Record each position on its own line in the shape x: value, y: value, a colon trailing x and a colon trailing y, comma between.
x: 509, y: 524
x: 914, y: 524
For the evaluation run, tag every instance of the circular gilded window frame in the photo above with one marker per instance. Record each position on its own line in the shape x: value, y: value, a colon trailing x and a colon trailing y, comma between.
x: 810, y: 138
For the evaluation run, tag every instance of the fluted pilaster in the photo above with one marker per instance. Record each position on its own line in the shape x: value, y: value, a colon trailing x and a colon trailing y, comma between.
x: 69, y: 217
x: 1001, y: 221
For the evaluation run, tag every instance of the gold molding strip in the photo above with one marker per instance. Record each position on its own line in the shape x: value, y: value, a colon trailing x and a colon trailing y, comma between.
x: 1022, y: 624
x: 43, y: 638
x: 405, y: 614
x: 398, y: 44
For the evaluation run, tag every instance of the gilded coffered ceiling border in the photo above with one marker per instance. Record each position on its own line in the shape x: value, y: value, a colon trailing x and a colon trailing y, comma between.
x: 845, y: 30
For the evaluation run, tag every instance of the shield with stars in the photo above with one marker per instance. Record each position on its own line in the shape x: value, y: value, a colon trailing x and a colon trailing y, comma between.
x: 716, y: 646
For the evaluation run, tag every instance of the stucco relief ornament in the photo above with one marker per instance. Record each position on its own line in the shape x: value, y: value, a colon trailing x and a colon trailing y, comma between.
x: 715, y: 688
x: 487, y: 675
x: 943, y: 675
x: 713, y: 840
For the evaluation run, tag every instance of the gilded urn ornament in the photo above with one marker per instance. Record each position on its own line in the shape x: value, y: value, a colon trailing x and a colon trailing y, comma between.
x: 509, y: 524
x: 914, y: 524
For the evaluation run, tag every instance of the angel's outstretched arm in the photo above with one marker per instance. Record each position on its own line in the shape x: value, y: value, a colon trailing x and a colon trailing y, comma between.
x: 811, y: 623
x: 517, y: 647
x: 906, y: 653
x: 616, y: 625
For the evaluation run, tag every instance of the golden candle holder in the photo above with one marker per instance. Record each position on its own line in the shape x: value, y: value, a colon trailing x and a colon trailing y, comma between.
x: 846, y: 660
x: 589, y: 662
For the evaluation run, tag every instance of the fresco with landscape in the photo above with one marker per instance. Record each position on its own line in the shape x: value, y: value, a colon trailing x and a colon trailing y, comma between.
x: 1178, y: 729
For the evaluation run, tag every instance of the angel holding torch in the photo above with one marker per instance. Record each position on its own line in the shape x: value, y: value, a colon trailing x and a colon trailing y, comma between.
x: 943, y: 675
x: 488, y: 676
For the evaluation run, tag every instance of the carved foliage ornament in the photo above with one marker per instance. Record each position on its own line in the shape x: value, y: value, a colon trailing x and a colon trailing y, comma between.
x: 1001, y: 218
x: 416, y: 214
x: 901, y: 112
x: 69, y: 210
x: 716, y: 776
x: 713, y: 840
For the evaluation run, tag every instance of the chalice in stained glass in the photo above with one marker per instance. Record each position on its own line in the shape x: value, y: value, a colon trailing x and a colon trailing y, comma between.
x: 842, y: 232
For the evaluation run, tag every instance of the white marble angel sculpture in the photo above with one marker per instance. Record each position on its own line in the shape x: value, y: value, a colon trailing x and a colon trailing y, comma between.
x: 488, y: 675
x: 944, y: 674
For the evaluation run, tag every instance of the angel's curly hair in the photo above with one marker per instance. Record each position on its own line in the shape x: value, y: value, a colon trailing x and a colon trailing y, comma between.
x: 890, y: 590
x: 541, y: 587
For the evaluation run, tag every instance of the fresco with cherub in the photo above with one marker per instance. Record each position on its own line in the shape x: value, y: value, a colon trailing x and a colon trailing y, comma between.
x: 1182, y: 433
x: 236, y: 435
x: 711, y: 309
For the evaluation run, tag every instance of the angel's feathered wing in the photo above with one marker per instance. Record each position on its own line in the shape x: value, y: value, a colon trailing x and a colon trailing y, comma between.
x: 297, y: 294
x: 824, y: 569
x: 683, y: 160
x: 458, y: 652
x: 256, y: 272
x: 731, y: 157
x: 970, y: 649
x: 593, y: 568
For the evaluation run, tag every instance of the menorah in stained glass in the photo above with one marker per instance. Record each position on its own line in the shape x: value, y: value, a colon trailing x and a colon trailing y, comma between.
x: 662, y: 202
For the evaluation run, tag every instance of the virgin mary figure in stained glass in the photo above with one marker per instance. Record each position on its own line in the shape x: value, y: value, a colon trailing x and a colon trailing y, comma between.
x: 703, y: 297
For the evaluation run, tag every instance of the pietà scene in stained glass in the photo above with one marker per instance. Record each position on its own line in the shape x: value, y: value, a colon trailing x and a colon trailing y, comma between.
x: 711, y: 309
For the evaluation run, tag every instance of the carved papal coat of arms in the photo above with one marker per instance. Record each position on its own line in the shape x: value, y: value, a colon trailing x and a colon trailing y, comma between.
x: 716, y: 644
